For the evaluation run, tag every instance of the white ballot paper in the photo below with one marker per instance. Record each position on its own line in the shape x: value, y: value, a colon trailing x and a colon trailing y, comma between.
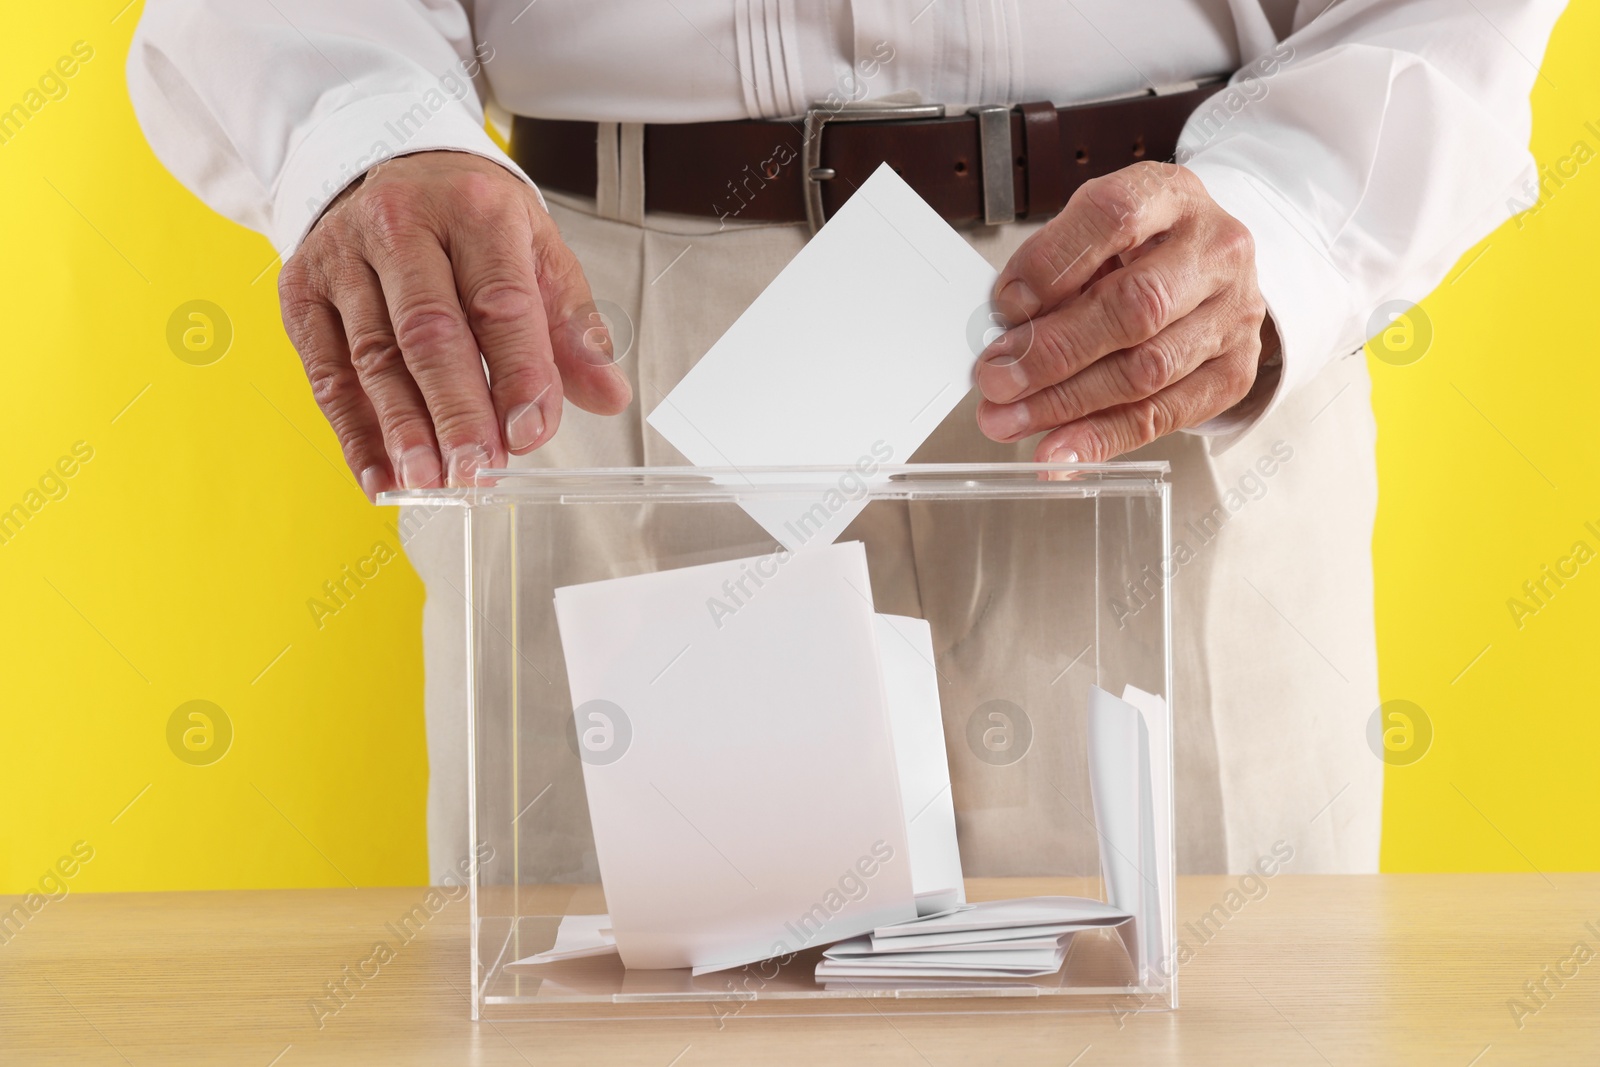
x: 995, y: 963
x: 996, y: 939
x: 1021, y: 912
x: 912, y: 683
x: 852, y: 356
x: 1001, y: 937
x: 1133, y: 816
x: 870, y: 946
x: 577, y: 937
x: 748, y: 805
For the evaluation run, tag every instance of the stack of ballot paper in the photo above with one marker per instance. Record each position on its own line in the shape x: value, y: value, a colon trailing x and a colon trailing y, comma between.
x: 1022, y: 938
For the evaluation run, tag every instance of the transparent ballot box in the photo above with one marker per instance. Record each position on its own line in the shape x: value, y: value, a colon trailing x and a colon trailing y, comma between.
x: 850, y: 740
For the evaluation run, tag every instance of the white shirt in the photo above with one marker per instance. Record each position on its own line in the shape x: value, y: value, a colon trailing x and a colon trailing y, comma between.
x: 1365, y: 145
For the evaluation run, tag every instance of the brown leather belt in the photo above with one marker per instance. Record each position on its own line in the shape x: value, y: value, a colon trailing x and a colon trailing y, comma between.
x: 991, y: 164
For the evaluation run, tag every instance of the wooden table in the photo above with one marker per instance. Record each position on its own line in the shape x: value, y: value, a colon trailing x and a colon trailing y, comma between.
x: 1320, y: 970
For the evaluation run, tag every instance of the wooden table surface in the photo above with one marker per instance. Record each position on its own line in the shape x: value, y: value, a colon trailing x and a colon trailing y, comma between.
x: 1319, y: 970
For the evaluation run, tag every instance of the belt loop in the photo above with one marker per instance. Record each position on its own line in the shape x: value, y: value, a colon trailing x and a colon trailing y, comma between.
x: 1041, y: 138
x: 994, y: 150
x: 630, y: 173
x: 607, y: 182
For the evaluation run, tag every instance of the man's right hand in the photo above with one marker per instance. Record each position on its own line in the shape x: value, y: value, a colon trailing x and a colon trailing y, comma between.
x: 431, y: 260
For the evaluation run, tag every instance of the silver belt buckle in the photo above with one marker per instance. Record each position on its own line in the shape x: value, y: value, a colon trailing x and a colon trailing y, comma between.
x: 813, y: 173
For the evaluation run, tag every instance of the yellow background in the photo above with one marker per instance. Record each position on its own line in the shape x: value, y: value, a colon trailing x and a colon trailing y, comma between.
x: 178, y: 565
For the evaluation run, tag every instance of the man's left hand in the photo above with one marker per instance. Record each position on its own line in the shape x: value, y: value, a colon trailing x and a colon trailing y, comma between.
x: 1137, y: 314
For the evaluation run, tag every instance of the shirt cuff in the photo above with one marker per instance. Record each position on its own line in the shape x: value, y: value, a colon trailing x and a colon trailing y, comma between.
x: 1306, y: 295
x: 354, y: 139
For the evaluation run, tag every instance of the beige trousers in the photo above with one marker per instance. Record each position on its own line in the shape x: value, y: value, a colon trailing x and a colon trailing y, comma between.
x: 1274, y: 658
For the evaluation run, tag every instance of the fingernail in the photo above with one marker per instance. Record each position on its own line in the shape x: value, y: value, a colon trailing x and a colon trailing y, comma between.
x: 595, y: 343
x: 419, y: 467
x: 1003, y: 377
x: 1003, y: 422
x: 524, y: 424
x: 374, y: 480
x: 1061, y: 455
x: 1017, y: 301
x: 465, y: 463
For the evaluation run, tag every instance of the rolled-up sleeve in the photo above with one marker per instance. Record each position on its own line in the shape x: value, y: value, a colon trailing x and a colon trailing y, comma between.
x: 267, y: 109
x: 1370, y: 149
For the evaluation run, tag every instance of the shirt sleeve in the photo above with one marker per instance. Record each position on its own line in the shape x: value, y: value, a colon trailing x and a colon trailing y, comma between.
x: 267, y: 109
x: 1365, y: 153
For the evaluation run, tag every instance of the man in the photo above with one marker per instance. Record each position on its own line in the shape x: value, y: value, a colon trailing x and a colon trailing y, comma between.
x: 446, y: 312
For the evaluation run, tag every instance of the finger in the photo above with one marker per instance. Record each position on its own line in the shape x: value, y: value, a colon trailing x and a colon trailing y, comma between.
x: 1126, y: 307
x: 430, y: 326
x: 495, y: 273
x: 313, y: 325
x: 1105, y: 217
x: 1118, y: 378
x: 1212, y: 389
x: 402, y: 414
x: 579, y: 338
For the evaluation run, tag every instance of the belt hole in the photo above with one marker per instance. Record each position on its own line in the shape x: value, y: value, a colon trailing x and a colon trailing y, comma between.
x: 961, y: 166
x: 1083, y: 155
x: 771, y: 171
x: 1138, y: 148
x: 1022, y: 161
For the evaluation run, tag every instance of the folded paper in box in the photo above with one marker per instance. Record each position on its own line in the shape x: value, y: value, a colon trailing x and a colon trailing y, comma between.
x: 754, y: 807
